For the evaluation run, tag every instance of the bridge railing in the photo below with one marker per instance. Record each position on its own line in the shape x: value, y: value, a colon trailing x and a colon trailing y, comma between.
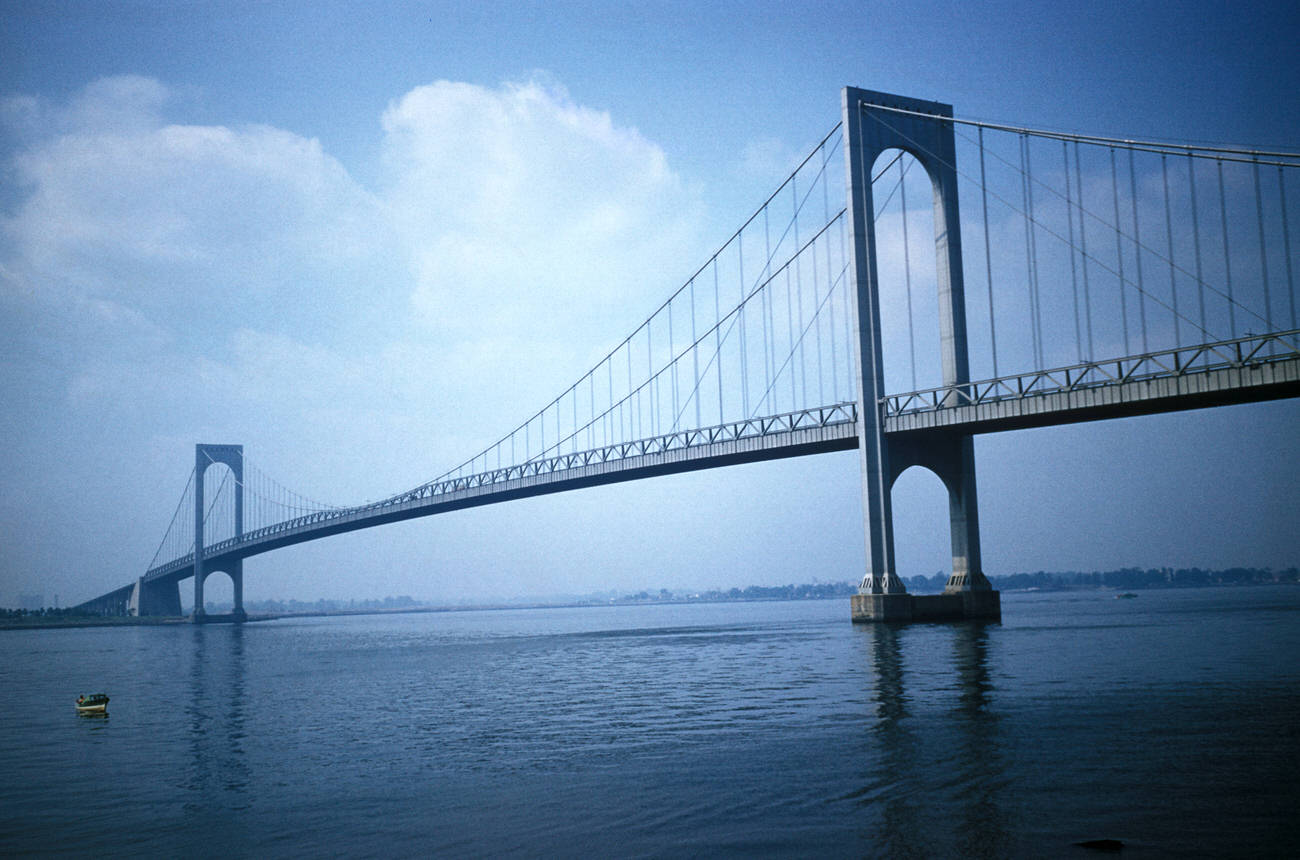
x: 1251, y: 350
x: 681, y: 440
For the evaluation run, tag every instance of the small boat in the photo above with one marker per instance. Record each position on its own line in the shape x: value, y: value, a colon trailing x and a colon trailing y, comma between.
x: 92, y: 703
x: 1127, y: 595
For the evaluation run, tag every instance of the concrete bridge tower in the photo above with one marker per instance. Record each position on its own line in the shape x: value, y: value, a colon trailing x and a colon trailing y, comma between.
x: 233, y: 457
x: 873, y: 123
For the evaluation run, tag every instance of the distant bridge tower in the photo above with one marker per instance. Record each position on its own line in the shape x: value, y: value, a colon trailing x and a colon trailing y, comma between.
x: 233, y: 457
x: 869, y: 130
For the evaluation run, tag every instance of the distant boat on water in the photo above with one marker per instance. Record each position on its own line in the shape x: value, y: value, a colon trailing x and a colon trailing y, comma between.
x: 92, y: 703
x: 1125, y: 596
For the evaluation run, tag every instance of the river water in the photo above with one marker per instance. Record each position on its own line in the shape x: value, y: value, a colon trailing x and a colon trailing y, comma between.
x: 1170, y: 722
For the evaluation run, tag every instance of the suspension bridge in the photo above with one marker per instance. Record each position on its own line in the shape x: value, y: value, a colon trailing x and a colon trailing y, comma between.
x: 1101, y: 277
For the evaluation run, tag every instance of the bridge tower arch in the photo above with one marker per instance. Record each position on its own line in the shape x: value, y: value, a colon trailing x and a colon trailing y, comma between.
x: 232, y: 456
x: 872, y: 123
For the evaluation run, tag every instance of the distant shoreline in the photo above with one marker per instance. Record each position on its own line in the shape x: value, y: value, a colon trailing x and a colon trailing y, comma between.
x: 37, y: 622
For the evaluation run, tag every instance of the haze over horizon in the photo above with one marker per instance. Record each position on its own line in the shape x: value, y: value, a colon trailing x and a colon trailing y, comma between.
x: 364, y: 242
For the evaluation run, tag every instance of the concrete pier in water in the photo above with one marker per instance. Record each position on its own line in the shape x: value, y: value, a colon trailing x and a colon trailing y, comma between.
x: 950, y: 606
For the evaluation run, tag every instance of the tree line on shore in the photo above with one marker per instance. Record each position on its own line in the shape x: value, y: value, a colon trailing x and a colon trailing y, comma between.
x: 1128, y: 577
x: 47, y: 612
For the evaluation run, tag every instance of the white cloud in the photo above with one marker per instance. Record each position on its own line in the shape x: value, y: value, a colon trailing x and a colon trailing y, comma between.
x: 524, y: 208
x: 167, y: 281
x: 136, y: 210
x: 116, y: 103
x: 504, y: 212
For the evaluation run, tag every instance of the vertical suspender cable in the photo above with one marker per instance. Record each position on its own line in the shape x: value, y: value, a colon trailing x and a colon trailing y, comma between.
x: 798, y: 283
x: 1137, y: 252
x: 717, y: 334
x: 740, y: 318
x: 618, y: 434
x: 789, y: 328
x: 817, y: 318
x: 769, y: 309
x: 1169, y: 241
x: 817, y: 321
x: 653, y: 392
x: 1029, y: 267
x: 765, y: 309
x: 1033, y: 243
x: 656, y: 392
x: 1196, y: 240
x: 988, y: 260
x: 695, y: 360
x: 830, y: 302
x: 1227, y: 256
x: 847, y: 295
x: 672, y: 359
x: 1074, y: 280
x: 907, y: 269
x: 1083, y: 252
x: 633, y: 402
x: 1286, y: 243
x: 1263, y: 249
x: 650, y: 378
x: 1119, y: 250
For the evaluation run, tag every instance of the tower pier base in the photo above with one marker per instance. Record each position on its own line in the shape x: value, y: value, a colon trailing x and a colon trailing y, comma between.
x: 949, y: 606
x: 239, y: 616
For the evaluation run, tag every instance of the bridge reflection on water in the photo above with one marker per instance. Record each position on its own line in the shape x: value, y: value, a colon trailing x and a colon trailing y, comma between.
x: 965, y: 736
x: 919, y: 735
x: 767, y: 728
x: 218, y: 764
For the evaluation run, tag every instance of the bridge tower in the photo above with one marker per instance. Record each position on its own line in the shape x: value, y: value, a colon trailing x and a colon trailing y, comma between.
x: 233, y: 457
x: 873, y: 123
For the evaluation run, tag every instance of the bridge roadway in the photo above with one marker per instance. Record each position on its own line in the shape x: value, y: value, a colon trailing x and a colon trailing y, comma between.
x: 1253, y: 368
x: 1243, y: 370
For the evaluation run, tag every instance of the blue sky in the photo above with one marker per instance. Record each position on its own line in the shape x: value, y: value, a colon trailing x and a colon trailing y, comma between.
x: 189, y: 251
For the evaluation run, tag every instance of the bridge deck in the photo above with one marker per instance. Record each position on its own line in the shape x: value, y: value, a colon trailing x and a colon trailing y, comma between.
x: 1239, y: 371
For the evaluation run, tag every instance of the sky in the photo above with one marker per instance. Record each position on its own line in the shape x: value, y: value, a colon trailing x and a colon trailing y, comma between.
x: 363, y: 240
